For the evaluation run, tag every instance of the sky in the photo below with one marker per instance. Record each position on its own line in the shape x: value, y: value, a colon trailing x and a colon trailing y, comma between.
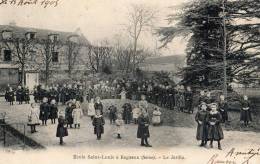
x: 97, y: 19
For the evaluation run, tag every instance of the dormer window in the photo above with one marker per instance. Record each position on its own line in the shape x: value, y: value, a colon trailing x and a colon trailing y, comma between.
x: 54, y: 37
x: 74, y: 38
x: 7, y: 34
x: 30, y: 35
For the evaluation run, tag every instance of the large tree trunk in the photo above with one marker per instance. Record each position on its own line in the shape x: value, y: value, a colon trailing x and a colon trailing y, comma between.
x: 23, y: 75
x: 47, y: 71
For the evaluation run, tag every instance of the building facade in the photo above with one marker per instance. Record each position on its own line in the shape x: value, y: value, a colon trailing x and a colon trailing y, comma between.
x: 40, y: 54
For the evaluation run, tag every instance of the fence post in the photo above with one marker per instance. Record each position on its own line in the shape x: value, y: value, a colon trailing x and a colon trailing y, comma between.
x: 24, y: 135
x: 4, y: 135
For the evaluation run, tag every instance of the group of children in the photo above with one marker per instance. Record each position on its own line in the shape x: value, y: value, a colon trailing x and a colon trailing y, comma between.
x: 211, y: 115
x: 21, y: 95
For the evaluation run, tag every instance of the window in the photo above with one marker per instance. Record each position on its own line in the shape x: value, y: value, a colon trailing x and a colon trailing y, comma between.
x: 55, y: 57
x: 30, y: 35
x: 7, y: 55
x: 54, y: 37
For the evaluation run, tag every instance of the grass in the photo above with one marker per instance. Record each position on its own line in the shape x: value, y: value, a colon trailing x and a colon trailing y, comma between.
x: 178, y: 119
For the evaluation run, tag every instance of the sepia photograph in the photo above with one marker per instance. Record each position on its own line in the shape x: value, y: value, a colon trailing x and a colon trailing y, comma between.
x: 130, y: 81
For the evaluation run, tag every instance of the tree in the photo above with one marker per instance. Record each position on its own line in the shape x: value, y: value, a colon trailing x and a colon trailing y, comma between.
x: 201, y: 21
x: 140, y: 18
x: 98, y: 57
x: 47, y: 47
x: 73, y: 48
x: 21, y: 49
x: 122, y: 55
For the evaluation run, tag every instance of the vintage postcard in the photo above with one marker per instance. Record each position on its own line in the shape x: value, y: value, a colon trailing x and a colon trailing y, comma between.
x: 130, y: 81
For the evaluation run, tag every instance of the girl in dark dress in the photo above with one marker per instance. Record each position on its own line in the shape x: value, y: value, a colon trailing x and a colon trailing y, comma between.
x: 53, y: 111
x: 215, y: 132
x: 112, y: 114
x: 127, y: 113
x: 7, y: 89
x: 202, y: 128
x: 10, y: 96
x: 61, y: 130
x: 26, y: 95
x: 143, y: 128
x: 188, y: 100
x: 223, y: 109
x: 245, y: 114
x: 19, y: 95
x: 68, y: 114
x: 44, y: 111
x: 98, y: 123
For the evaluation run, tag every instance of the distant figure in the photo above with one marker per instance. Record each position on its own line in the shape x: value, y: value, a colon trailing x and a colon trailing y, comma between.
x: 127, y: 113
x: 98, y: 105
x: 19, y: 95
x: 143, y: 103
x: 156, y: 120
x: 123, y: 94
x: 98, y: 123
x: 245, y: 114
x: 33, y: 118
x: 136, y: 113
x: 77, y: 115
x: 53, y: 111
x: 26, y: 95
x: 44, y: 111
x: 10, y: 96
x: 119, y: 125
x: 188, y: 100
x: 68, y: 114
x: 112, y: 114
x: 61, y: 130
x: 7, y: 89
x: 223, y: 109
x: 91, y: 109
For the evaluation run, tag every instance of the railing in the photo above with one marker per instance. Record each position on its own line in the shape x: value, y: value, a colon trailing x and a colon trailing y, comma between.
x: 13, y: 134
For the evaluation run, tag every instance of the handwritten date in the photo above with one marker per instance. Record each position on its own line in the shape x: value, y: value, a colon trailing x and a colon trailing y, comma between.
x: 42, y: 3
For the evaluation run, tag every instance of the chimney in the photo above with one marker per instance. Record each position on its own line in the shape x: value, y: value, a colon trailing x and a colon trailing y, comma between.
x: 78, y: 31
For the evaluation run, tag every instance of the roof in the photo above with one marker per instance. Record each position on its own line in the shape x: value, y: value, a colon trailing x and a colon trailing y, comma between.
x: 19, y: 32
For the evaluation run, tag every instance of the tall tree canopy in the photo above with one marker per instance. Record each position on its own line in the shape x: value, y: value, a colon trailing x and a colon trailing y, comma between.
x: 201, y: 21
